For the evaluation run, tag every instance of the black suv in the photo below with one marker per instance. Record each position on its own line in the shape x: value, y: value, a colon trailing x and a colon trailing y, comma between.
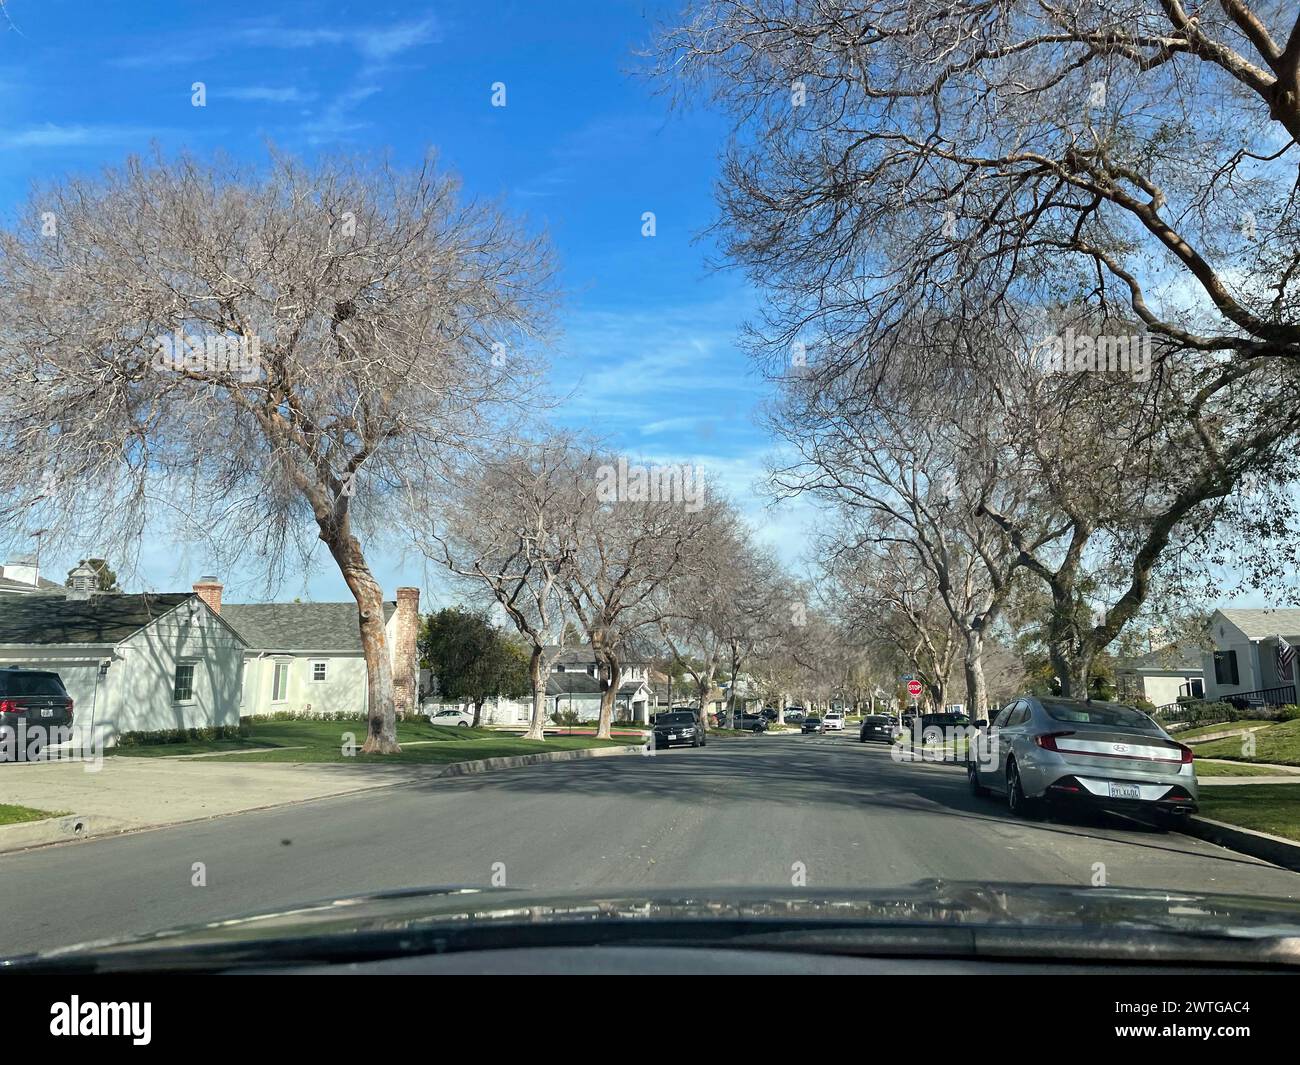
x: 36, y: 696
x: 678, y: 726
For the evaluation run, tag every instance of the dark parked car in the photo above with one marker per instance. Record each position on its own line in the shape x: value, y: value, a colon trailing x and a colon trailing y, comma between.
x: 876, y: 727
x: 771, y: 713
x: 34, y: 696
x: 813, y: 724
x: 678, y: 727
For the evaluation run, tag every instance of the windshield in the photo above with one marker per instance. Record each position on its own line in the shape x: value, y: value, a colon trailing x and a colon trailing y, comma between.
x: 461, y: 445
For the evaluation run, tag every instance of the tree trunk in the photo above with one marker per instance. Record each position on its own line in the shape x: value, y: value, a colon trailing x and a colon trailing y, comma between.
x: 536, y: 727
x: 607, y: 698
x: 381, y: 723
x: 977, y: 696
x: 478, y: 712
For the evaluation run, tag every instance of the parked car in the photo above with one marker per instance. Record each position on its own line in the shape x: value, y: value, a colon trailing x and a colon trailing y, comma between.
x: 1101, y: 754
x: 33, y: 696
x: 834, y: 721
x: 878, y: 727
x: 813, y: 723
x: 794, y: 714
x: 678, y: 727
x: 771, y: 713
x: 749, y: 722
x: 460, y: 718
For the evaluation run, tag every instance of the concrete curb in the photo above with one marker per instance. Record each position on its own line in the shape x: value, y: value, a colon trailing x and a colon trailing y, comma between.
x: 1274, y: 849
x: 516, y: 761
x: 55, y: 830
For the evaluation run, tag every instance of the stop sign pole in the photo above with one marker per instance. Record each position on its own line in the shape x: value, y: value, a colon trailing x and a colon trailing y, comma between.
x: 914, y: 689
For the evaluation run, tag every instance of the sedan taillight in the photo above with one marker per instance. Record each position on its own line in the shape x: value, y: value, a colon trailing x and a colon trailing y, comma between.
x: 1047, y: 741
x: 12, y: 706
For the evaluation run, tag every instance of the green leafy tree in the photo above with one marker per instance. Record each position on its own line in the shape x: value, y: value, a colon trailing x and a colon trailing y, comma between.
x: 472, y: 659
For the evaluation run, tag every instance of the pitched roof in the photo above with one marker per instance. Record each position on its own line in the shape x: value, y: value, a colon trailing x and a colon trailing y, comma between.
x: 298, y: 626
x: 1183, y: 656
x: 572, y: 684
x: 1260, y: 624
x: 582, y: 656
x: 42, y: 587
x: 49, y: 619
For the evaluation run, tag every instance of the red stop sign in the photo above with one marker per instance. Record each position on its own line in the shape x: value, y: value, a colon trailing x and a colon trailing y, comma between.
x: 914, y: 688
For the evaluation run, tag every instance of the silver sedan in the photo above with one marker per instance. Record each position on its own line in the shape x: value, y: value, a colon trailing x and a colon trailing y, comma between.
x: 1108, y: 755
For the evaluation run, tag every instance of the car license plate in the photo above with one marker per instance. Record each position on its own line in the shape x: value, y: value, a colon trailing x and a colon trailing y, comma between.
x: 1125, y: 791
x: 672, y: 735
x: 47, y: 711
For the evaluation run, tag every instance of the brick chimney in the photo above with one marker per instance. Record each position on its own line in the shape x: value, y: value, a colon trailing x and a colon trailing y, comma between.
x: 209, y: 590
x: 405, y: 665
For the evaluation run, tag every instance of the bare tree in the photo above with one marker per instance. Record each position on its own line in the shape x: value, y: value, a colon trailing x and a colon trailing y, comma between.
x: 627, y: 548
x: 257, y: 356
x: 503, y: 530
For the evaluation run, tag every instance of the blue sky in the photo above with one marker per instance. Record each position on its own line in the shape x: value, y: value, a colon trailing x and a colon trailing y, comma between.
x: 582, y: 148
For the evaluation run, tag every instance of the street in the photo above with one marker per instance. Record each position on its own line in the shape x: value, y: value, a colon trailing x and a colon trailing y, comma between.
x: 760, y: 812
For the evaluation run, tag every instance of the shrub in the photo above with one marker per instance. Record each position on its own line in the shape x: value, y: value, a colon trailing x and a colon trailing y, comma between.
x: 1290, y: 712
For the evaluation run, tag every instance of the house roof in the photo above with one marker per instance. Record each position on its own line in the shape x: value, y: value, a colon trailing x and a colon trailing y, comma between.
x: 42, y: 587
x: 298, y: 626
x: 572, y: 684
x: 1260, y: 624
x: 1184, y: 655
x: 582, y: 656
x: 49, y: 619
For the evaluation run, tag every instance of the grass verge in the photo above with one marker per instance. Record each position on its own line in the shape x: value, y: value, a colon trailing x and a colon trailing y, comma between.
x: 1279, y: 743
x: 324, y: 741
x: 1271, y: 808
x: 16, y: 815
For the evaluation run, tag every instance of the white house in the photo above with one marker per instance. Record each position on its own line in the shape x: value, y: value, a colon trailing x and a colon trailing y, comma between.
x: 131, y: 663
x: 1162, y: 675
x: 306, y: 658
x: 1243, y: 664
x: 573, y: 684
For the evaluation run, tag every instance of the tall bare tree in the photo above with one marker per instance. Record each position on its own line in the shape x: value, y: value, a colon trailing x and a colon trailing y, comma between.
x: 258, y: 355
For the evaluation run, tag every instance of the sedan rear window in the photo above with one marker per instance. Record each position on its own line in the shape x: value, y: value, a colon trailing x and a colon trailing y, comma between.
x: 31, y: 684
x: 1112, y: 714
x: 675, y: 719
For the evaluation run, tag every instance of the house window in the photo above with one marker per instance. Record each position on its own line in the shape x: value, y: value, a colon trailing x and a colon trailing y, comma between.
x: 280, y: 682
x: 1225, y: 667
x: 318, y: 671
x: 183, y: 688
x: 1198, y: 688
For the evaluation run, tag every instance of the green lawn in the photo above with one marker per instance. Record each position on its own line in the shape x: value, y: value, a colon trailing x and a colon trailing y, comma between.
x: 1272, y: 808
x: 1279, y: 743
x: 15, y: 815
x: 1222, y: 726
x: 322, y: 741
x: 1239, y: 769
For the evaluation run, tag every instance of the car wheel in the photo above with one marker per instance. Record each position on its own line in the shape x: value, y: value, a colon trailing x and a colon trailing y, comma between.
x: 463, y: 724
x: 1017, y: 802
x: 973, y: 778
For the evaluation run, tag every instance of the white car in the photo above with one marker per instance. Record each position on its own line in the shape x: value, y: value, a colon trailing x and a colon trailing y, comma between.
x: 834, y: 721
x: 461, y: 718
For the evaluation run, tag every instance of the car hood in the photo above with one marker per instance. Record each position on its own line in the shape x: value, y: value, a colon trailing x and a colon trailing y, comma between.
x: 941, y: 917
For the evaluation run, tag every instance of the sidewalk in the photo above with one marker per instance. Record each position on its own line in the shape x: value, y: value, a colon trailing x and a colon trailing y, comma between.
x: 134, y: 793
x: 1277, y: 774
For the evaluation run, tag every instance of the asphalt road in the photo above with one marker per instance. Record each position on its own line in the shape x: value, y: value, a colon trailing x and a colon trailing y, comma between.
x: 758, y: 812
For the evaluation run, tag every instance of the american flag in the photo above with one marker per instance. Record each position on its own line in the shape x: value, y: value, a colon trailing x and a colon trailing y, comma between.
x: 1285, y: 656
